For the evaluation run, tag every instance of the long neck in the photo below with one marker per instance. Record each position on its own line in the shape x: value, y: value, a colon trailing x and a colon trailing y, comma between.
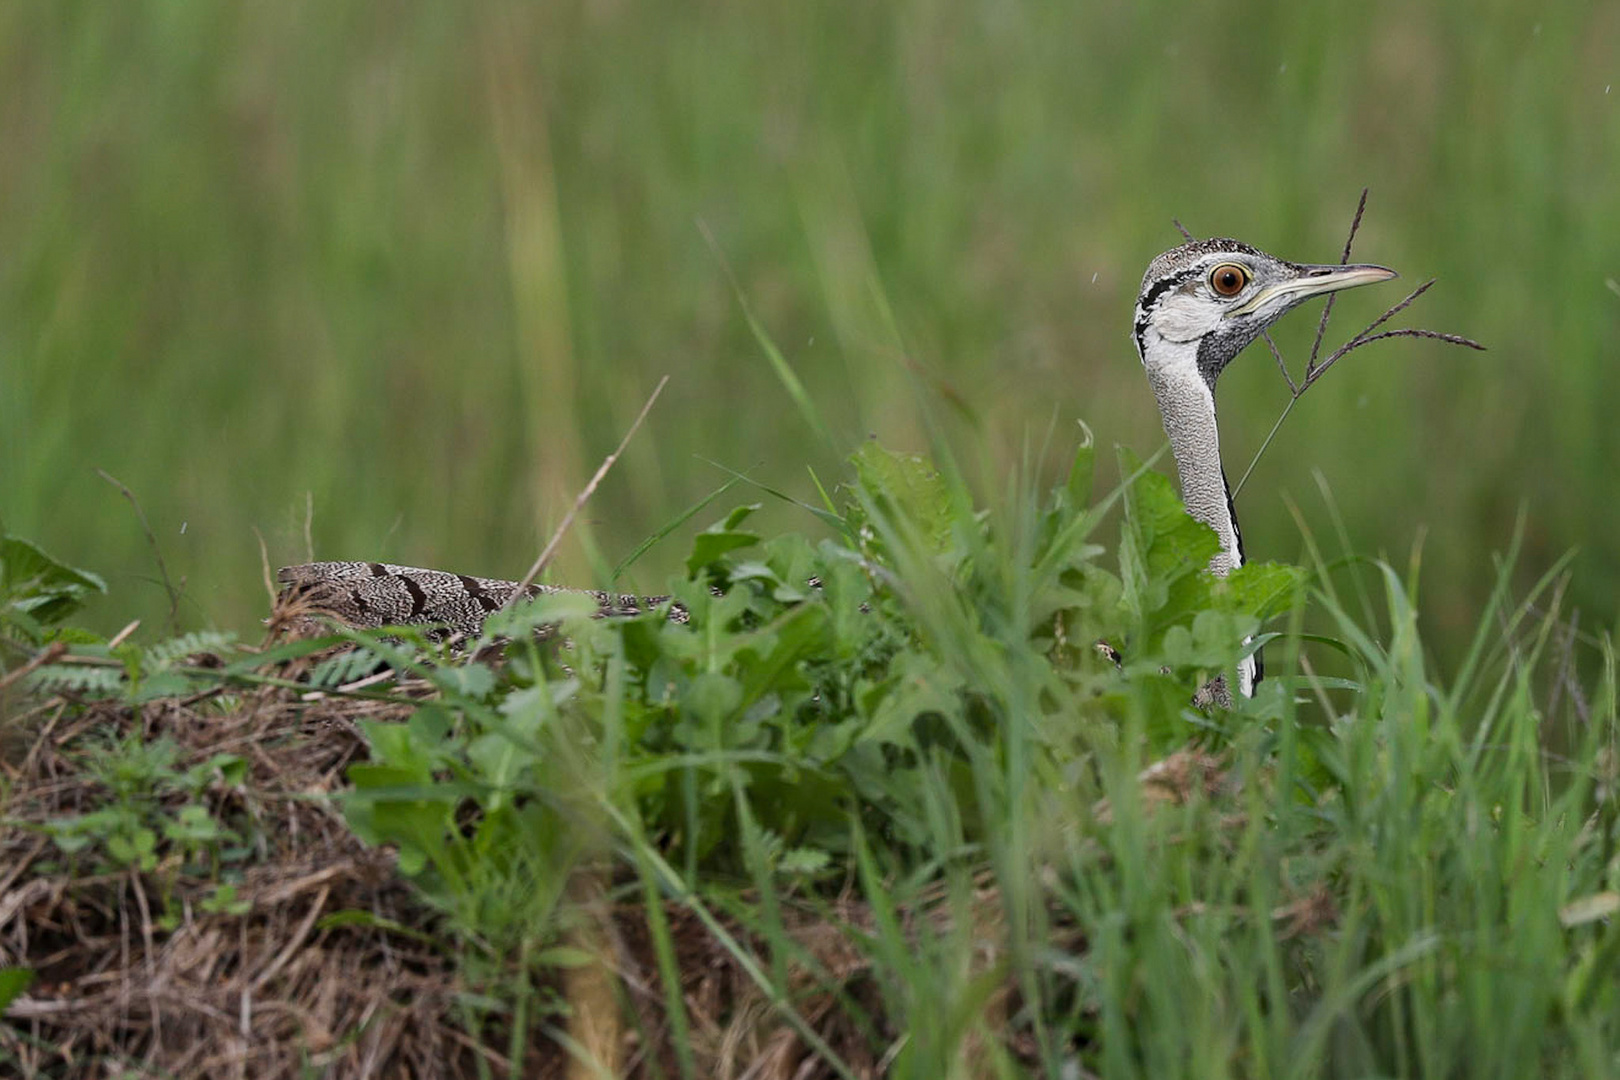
x: 1187, y: 406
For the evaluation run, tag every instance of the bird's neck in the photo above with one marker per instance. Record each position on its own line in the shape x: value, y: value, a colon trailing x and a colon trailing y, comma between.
x: 1187, y: 406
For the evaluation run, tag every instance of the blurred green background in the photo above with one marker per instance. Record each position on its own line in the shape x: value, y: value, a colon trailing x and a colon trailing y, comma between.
x: 415, y: 266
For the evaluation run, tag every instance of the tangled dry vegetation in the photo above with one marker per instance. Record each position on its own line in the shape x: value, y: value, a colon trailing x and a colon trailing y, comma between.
x: 253, y: 988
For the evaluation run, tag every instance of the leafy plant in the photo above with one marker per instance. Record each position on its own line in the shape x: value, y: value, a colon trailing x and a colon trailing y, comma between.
x: 916, y: 705
x: 141, y: 780
x: 911, y: 730
x: 38, y: 592
x: 137, y: 674
x: 803, y: 682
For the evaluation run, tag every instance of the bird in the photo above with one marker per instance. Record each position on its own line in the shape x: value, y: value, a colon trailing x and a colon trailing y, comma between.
x: 1201, y: 304
x: 369, y: 595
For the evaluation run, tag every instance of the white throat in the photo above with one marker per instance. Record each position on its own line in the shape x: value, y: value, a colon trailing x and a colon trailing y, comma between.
x: 1187, y: 407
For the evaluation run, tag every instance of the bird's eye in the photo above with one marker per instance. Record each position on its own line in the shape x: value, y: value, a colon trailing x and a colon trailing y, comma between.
x: 1228, y: 279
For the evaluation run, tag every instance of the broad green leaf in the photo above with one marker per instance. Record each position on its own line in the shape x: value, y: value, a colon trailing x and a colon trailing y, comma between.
x: 1261, y: 589
x: 39, y: 588
x: 770, y: 662
x: 474, y: 680
x: 399, y: 748
x: 712, y: 696
x: 430, y: 724
x: 709, y: 545
x: 13, y: 981
x: 1214, y: 640
x: 919, y: 685
x: 24, y: 566
x: 737, y: 516
x: 909, y: 485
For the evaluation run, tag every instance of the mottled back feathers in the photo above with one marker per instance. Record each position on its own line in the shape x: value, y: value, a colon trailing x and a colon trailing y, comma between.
x: 372, y: 594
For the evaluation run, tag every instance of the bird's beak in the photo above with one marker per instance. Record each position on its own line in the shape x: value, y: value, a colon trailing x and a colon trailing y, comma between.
x: 1314, y: 281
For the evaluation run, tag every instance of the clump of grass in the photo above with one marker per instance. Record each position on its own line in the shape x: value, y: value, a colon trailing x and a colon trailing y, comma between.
x: 879, y: 808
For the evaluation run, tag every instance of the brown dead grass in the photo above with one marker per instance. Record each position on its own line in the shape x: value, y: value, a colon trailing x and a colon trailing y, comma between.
x: 263, y: 994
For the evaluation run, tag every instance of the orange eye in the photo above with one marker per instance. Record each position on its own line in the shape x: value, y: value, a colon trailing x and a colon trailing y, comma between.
x: 1228, y: 279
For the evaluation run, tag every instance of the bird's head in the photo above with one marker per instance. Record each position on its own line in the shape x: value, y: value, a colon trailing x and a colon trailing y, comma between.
x: 1210, y: 298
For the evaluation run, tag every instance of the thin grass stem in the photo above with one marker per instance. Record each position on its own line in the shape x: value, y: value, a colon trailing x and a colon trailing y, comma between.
x: 1272, y: 434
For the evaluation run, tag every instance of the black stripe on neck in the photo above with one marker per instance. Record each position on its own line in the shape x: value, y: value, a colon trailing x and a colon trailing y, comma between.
x: 1151, y: 297
x: 1237, y: 534
x: 1163, y: 285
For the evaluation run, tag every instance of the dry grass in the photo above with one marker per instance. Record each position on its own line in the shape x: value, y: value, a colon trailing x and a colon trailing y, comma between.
x: 266, y: 993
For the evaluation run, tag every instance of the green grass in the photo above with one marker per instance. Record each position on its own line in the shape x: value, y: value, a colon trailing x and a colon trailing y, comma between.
x: 419, y: 265
x: 1042, y: 864
x: 405, y: 272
